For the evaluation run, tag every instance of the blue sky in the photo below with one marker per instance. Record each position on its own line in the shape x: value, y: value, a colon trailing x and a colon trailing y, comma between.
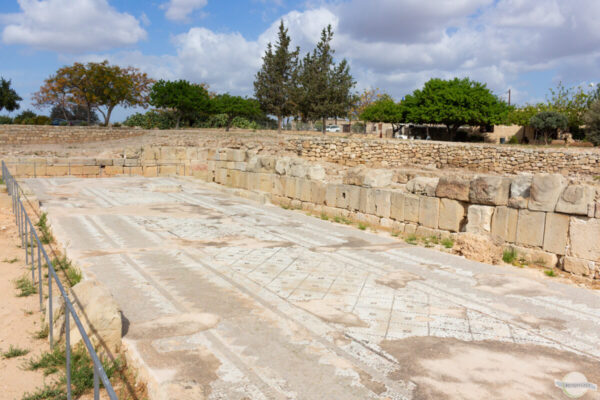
x: 527, y: 46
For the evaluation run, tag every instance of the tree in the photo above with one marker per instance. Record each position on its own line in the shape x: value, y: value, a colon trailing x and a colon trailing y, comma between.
x: 361, y: 101
x: 571, y: 102
x: 96, y: 86
x: 592, y: 122
x: 324, y: 87
x: 9, y: 99
x: 235, y: 106
x: 184, y: 98
x: 274, y: 83
x: 384, y: 110
x: 73, y: 112
x: 454, y: 103
x: 548, y: 123
x: 522, y: 115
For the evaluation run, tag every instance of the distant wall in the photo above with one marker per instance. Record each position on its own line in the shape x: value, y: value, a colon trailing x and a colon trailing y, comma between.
x: 41, y: 134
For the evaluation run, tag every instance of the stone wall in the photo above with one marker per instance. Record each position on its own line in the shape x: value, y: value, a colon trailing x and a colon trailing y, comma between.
x: 502, y: 159
x: 39, y: 134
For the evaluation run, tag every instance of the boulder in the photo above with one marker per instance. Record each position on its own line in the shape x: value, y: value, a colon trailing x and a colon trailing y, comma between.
x: 282, y: 165
x: 423, y: 186
x: 362, y: 176
x: 489, y: 190
x: 575, y: 199
x: 578, y: 266
x: 98, y: 312
x: 453, y: 187
x: 520, y: 188
x: 545, y: 191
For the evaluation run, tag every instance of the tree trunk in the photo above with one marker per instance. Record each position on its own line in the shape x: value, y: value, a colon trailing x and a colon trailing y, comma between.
x: 177, y: 121
x: 324, y: 126
x: 89, y: 114
x: 108, y: 112
x: 279, y: 123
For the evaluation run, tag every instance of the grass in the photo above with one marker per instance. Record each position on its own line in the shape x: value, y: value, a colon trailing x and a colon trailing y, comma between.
x: 42, y: 333
x: 25, y: 287
x: 72, y: 273
x: 285, y: 206
x: 448, y: 243
x: 362, y: 226
x: 395, y: 233
x: 82, y: 373
x: 11, y: 261
x: 1, y: 181
x: 411, y: 239
x: 42, y: 224
x: 434, y: 239
x: 550, y: 272
x: 14, y: 352
x: 324, y: 217
x: 509, y: 256
x: 342, y: 220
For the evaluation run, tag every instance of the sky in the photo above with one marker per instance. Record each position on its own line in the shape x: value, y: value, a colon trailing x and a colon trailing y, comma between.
x: 527, y: 46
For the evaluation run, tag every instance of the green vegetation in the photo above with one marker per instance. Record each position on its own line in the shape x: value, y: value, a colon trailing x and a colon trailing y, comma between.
x: 395, y: 233
x: 411, y: 239
x: 185, y: 99
x: 9, y: 99
x: 71, y: 272
x: 324, y: 217
x: 447, y: 243
x: 14, y: 352
x: 82, y: 373
x: 42, y: 333
x: 509, y: 255
x: 592, y: 121
x: 550, y: 272
x: 548, y: 123
x: 25, y: 286
x: 362, y: 226
x: 42, y: 224
x: 11, y: 261
x: 234, y: 107
x: 342, y: 220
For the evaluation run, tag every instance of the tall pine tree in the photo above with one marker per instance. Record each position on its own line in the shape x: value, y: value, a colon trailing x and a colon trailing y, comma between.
x: 274, y: 84
x: 324, y: 88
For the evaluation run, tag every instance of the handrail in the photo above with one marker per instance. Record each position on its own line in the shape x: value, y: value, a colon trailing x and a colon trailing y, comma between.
x: 28, y: 237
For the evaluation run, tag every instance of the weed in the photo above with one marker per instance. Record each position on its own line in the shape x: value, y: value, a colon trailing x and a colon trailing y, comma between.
x: 509, y: 256
x: 26, y: 287
x: 550, y: 272
x: 540, y: 261
x: 434, y: 239
x: 82, y: 372
x: 411, y: 239
x: 395, y: 233
x: 362, y: 226
x: 448, y: 243
x: 11, y: 261
x: 42, y: 224
x: 14, y: 352
x: 337, y: 219
x: 28, y: 312
x: 285, y: 206
x: 72, y: 273
x: 1, y: 181
x: 324, y: 217
x: 42, y: 333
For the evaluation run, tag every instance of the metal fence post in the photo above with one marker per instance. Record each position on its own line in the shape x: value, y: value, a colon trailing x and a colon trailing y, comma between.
x: 50, y: 306
x: 32, y: 257
x: 96, y: 384
x: 25, y: 235
x: 39, y: 244
x: 68, y: 349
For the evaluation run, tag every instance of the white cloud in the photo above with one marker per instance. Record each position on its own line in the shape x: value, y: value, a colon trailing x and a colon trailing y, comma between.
x: 68, y: 26
x: 179, y: 10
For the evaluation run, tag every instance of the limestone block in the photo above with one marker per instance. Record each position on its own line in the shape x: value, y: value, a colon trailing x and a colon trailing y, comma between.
x: 453, y: 187
x: 299, y: 188
x: 150, y: 153
x: 489, y: 190
x: 241, y: 166
x: 530, y: 228
x: 578, y: 266
x: 253, y: 164
x: 411, y: 207
x: 520, y: 186
x: 295, y: 204
x: 556, y: 233
x: 382, y: 203
x: 504, y: 224
x: 369, y: 219
x: 575, y: 199
x: 281, y: 200
x: 410, y: 229
x: 330, y: 195
x: 342, y: 197
x: 112, y: 170
x: 282, y: 165
x: 378, y: 177
x: 397, y: 206
x: 253, y: 180
x: 317, y: 192
x: 537, y: 257
x: 236, y: 155
x: 426, y: 232
x: 265, y: 182
x: 316, y: 172
x: 392, y: 225
x: 422, y: 185
x: 149, y: 171
x: 354, y: 176
x: 298, y: 170
x: 367, y: 201
x: 235, y: 178
x: 545, y: 191
x: 597, y: 210
x: 584, y: 234
x: 191, y: 153
x: 133, y: 170
x: 479, y: 219
x: 168, y: 153
x: 452, y: 215
x: 243, y: 180
x: 429, y: 212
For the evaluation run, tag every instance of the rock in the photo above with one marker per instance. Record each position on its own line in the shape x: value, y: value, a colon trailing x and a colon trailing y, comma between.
x: 382, y: 203
x: 537, y: 257
x: 423, y: 186
x: 504, y: 224
x: 316, y: 172
x: 429, y: 212
x: 355, y: 176
x: 584, y: 234
x: 282, y: 165
x: 520, y: 188
x: 530, y: 228
x: 545, y: 191
x: 556, y: 233
x: 411, y: 207
x: 453, y: 187
x: 478, y: 248
x: 575, y: 199
x: 362, y: 176
x: 397, y: 206
x: 298, y: 170
x: 479, y: 219
x: 102, y: 321
x: 578, y: 266
x: 489, y: 190
x: 452, y: 215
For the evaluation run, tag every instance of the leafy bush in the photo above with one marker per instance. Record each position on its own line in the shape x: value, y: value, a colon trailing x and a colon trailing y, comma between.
x: 152, y: 119
x: 243, y: 123
x: 513, y: 140
x: 358, y: 127
x: 592, y: 121
x: 42, y: 120
x: 5, y: 120
x: 548, y: 123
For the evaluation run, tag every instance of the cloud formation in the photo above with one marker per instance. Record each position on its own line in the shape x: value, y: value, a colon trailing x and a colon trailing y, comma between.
x: 68, y: 26
x: 180, y: 10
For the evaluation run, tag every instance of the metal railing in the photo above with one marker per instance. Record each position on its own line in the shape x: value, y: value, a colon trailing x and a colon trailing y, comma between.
x: 29, y: 239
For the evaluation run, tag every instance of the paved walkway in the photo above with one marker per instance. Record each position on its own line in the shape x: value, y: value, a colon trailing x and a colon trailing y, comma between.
x: 228, y: 299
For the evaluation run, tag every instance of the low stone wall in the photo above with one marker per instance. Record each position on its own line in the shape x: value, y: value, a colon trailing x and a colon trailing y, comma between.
x: 40, y: 134
x: 502, y: 159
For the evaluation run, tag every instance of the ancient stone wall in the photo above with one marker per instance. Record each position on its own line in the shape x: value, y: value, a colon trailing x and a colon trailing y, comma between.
x: 39, y: 134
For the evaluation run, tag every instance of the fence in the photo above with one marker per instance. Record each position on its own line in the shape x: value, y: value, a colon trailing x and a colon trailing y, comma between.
x: 29, y: 239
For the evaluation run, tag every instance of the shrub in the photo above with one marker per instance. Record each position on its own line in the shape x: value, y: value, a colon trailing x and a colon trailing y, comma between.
x: 548, y: 123
x: 448, y: 243
x: 5, y: 120
x: 513, y: 140
x: 509, y: 256
x: 152, y: 119
x: 42, y: 120
x: 14, y: 352
x: 358, y: 127
x: 592, y: 121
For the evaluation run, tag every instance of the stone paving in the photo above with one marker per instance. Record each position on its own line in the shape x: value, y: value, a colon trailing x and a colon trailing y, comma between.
x: 229, y: 299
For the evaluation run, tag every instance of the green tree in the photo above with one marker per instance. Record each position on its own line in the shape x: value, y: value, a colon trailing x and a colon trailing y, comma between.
x: 384, y: 110
x: 592, y: 122
x: 235, y: 106
x: 572, y: 102
x: 274, y: 84
x: 9, y: 99
x: 184, y: 98
x: 454, y: 103
x: 324, y: 88
x: 548, y: 123
x: 522, y: 115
